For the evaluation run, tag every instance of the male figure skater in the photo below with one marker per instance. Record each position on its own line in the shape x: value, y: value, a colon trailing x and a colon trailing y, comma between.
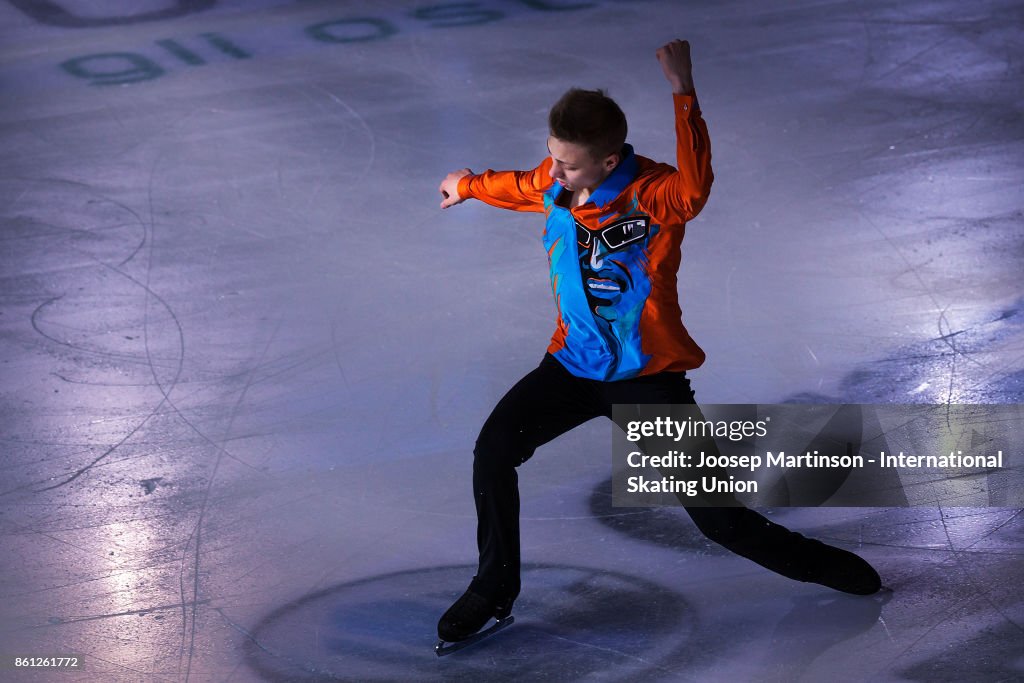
x: 614, y: 224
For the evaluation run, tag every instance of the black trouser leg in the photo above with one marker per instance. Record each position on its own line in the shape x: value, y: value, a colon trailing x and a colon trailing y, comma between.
x: 756, y: 538
x: 748, y: 533
x: 547, y: 402
x: 741, y: 530
x: 773, y: 546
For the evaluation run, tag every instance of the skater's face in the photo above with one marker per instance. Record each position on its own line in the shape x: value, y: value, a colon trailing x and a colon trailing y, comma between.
x: 575, y: 168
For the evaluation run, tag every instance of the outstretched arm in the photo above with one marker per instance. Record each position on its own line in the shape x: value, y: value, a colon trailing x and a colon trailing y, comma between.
x: 516, y: 190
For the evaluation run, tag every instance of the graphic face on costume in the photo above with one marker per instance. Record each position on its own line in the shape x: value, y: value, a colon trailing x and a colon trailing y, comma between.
x: 573, y: 167
x: 613, y: 264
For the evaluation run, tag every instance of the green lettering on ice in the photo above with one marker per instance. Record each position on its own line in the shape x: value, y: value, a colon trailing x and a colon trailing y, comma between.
x: 338, y: 30
x: 457, y: 14
x: 113, y: 68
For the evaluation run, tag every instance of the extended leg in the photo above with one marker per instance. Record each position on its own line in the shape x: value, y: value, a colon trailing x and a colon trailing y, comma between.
x: 785, y: 552
x: 744, y: 531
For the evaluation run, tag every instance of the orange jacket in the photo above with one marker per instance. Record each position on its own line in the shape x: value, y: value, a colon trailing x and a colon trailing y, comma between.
x: 613, y: 260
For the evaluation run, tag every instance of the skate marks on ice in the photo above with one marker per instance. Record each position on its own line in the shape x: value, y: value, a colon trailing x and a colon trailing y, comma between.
x: 976, y: 362
x: 986, y: 657
x: 572, y: 623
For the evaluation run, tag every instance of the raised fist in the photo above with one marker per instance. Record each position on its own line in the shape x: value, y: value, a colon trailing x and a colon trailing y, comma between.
x: 675, y: 62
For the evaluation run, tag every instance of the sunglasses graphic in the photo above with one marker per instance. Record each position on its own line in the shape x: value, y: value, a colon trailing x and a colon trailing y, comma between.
x: 615, y: 236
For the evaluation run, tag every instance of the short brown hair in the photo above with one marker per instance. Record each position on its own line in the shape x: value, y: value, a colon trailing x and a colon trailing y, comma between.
x: 589, y: 118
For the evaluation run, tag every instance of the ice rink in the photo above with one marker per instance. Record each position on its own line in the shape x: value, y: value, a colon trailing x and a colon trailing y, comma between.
x: 245, y: 356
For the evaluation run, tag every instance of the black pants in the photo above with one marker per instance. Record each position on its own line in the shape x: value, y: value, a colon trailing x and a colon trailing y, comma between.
x: 550, y: 401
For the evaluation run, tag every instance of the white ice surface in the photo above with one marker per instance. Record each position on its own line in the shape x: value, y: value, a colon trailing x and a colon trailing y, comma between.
x: 245, y: 356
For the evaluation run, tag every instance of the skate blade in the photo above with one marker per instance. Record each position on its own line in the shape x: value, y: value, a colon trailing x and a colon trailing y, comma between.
x: 443, y: 647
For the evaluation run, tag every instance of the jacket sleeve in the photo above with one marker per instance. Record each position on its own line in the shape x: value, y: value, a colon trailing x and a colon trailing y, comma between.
x: 516, y: 190
x: 684, y: 193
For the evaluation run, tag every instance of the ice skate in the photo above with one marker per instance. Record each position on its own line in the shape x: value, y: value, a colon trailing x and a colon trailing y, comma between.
x: 444, y: 647
x: 461, y: 625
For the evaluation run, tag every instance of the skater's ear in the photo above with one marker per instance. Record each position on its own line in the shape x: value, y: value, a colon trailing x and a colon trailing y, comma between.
x: 611, y: 161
